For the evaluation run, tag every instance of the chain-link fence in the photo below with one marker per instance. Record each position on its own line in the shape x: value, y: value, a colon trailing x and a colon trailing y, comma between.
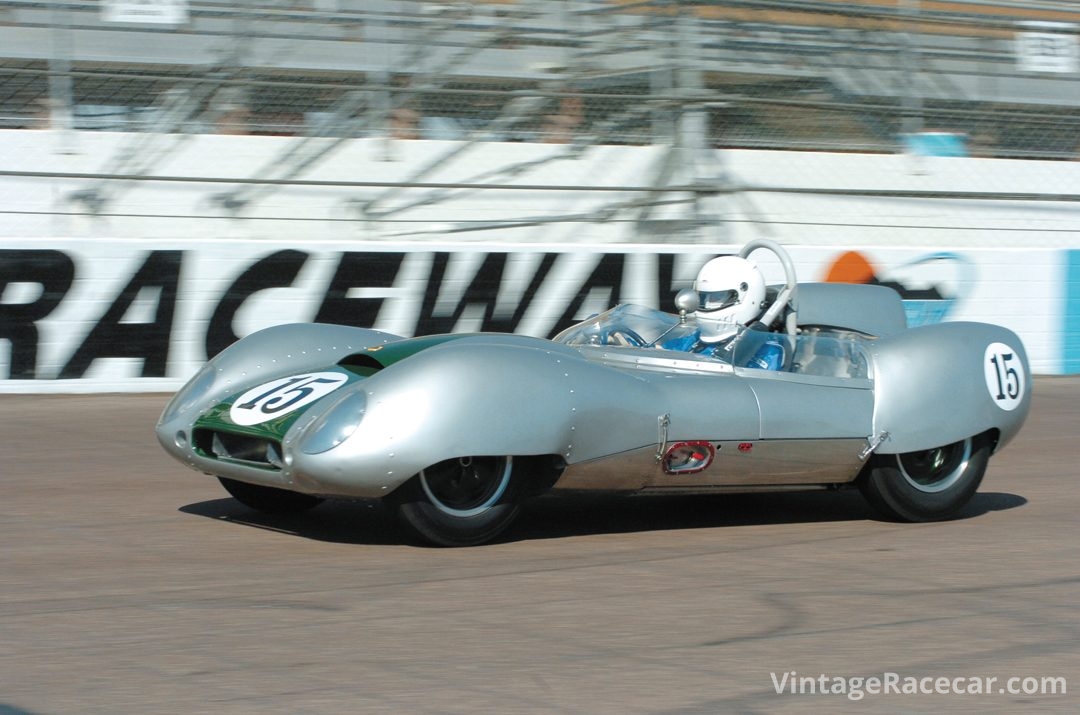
x: 985, y: 78
x: 1001, y: 76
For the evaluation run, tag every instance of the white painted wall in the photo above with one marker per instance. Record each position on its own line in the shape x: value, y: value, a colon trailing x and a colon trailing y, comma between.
x: 1017, y: 288
x: 42, y: 206
x: 1016, y: 249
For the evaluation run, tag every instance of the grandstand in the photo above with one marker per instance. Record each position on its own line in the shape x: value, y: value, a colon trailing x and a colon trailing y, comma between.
x: 823, y: 74
x: 586, y: 120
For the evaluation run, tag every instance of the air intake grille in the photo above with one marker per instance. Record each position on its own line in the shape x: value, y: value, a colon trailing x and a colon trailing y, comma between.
x: 256, y: 451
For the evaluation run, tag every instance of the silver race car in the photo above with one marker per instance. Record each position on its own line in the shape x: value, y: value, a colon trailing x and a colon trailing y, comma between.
x: 454, y: 431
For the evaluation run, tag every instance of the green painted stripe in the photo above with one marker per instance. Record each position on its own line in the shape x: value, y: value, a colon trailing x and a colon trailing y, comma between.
x: 217, y: 418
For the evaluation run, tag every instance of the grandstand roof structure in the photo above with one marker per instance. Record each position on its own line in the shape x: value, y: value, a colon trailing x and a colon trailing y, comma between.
x: 816, y: 74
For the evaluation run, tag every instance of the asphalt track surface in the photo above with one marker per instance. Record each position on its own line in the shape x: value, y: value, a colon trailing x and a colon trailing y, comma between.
x: 132, y: 585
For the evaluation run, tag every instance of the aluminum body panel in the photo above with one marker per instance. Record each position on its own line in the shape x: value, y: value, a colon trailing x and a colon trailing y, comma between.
x: 934, y: 385
x: 808, y: 407
x: 772, y: 462
x: 263, y: 356
x: 796, y: 461
x: 627, y: 471
x: 870, y: 309
x: 764, y: 463
x: 478, y: 396
x: 271, y: 353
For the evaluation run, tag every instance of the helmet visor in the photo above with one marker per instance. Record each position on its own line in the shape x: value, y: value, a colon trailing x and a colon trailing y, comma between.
x: 709, y: 301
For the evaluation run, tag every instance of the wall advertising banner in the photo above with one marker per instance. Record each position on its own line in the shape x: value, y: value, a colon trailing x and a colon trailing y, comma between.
x: 79, y: 316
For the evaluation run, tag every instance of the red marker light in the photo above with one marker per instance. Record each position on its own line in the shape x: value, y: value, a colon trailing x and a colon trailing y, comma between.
x: 745, y: 446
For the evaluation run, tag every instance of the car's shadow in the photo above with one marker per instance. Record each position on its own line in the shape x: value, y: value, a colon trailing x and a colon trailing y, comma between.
x: 553, y: 517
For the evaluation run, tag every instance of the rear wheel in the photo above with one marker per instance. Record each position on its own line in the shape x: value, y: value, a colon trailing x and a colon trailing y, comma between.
x: 928, y: 485
x: 459, y: 502
x: 269, y: 500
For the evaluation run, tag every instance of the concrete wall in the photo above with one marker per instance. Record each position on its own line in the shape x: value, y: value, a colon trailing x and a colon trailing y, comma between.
x: 139, y: 294
x: 591, y: 196
x: 120, y: 315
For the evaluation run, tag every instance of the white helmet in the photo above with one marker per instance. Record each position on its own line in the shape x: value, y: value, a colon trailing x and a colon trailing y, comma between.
x: 731, y: 292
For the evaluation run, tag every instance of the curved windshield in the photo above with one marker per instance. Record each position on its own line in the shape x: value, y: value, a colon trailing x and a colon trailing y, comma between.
x: 811, y: 352
x: 627, y: 325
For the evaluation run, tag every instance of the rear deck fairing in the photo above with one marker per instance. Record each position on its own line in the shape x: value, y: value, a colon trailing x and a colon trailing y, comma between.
x: 938, y: 384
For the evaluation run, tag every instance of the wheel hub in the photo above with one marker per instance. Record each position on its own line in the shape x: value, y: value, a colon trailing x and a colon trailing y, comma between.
x: 936, y: 469
x: 466, y: 486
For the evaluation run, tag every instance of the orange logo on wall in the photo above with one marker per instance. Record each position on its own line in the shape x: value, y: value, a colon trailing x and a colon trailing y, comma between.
x: 851, y: 267
x: 929, y: 286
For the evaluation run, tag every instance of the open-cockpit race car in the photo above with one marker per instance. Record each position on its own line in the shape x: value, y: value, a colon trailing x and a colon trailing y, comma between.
x: 830, y: 388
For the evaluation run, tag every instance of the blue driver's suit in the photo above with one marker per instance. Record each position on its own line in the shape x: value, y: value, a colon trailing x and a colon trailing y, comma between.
x: 769, y: 354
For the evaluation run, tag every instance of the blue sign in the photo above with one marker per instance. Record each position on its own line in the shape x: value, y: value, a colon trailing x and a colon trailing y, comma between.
x: 1071, y: 355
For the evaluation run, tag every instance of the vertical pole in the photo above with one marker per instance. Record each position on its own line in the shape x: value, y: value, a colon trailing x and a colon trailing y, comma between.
x: 698, y: 162
x: 60, y: 84
x: 691, y: 138
x: 662, y: 83
x: 910, y: 61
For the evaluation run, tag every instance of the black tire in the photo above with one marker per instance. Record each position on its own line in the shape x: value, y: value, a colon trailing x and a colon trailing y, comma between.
x: 930, y: 485
x: 269, y: 500
x: 459, y: 502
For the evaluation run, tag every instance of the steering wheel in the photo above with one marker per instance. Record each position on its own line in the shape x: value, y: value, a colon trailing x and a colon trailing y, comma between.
x: 787, y: 293
x: 622, y: 336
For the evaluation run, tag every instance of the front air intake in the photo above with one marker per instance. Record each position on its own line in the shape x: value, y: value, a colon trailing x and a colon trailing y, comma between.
x: 255, y: 451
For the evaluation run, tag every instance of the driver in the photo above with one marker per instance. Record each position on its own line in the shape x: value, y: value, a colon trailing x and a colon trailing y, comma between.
x: 731, y: 294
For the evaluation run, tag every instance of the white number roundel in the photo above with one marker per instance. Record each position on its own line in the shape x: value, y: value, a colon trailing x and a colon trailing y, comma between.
x: 280, y: 397
x: 1004, y: 375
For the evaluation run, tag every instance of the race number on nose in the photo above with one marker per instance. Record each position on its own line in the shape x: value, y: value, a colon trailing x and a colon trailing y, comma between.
x: 273, y: 399
x: 1004, y: 375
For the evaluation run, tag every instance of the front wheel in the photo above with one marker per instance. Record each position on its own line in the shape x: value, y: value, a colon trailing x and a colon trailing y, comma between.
x: 459, y: 502
x: 929, y: 485
x: 269, y: 500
